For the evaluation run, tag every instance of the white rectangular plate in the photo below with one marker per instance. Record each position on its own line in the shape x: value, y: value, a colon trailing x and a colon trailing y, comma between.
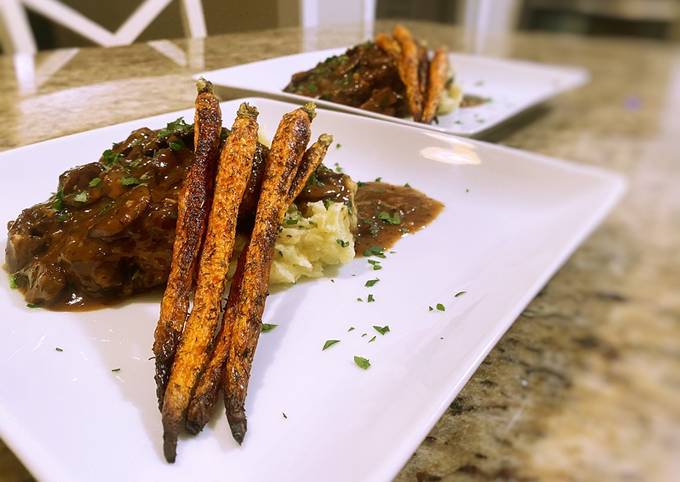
x: 511, y: 219
x: 512, y: 85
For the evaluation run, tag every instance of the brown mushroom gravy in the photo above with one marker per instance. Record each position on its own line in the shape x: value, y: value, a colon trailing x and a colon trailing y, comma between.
x: 388, y: 212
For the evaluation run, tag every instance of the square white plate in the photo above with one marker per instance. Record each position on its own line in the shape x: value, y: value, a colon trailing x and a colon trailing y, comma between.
x: 511, y: 219
x: 512, y: 85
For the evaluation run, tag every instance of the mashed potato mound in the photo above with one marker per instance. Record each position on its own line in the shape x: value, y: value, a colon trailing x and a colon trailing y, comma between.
x: 307, y: 243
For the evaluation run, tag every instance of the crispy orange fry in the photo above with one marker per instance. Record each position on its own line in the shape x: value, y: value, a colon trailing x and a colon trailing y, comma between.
x: 408, y: 70
x: 208, y: 385
x: 232, y: 177
x: 193, y: 205
x: 284, y: 158
x: 438, y: 74
x: 388, y: 44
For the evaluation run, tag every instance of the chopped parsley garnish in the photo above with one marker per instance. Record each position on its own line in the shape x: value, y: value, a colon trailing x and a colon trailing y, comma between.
x: 393, y: 218
x: 176, y: 145
x: 178, y: 126
x: 382, y: 329
x: 152, y: 357
x: 372, y: 339
x: 378, y: 179
x: 363, y: 335
x: 329, y: 343
x: 440, y: 307
x: 429, y: 308
x: 115, y: 369
x: 94, y: 182
x: 284, y: 415
x: 291, y: 221
x: 32, y: 305
x: 129, y: 181
x: 407, y: 185
x: 338, y: 168
x: 342, y: 243
x: 362, y: 362
x: 81, y: 197
x: 351, y: 328
x: 13, y: 282
x: 371, y: 282
x: 375, y: 251
x: 109, y: 157
x: 267, y: 327
x: 375, y: 264
x: 370, y: 299
x: 360, y: 184
x: 59, y: 349
x: 359, y: 299
x: 460, y: 293
x: 58, y: 202
x: 338, y: 146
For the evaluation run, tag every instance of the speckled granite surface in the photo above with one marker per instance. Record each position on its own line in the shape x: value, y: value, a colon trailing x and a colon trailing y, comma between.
x: 586, y: 384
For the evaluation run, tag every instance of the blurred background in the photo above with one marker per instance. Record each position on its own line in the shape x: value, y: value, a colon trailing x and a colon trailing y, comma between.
x: 658, y: 19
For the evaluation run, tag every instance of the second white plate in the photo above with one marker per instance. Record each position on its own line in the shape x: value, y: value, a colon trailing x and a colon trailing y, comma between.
x: 511, y: 86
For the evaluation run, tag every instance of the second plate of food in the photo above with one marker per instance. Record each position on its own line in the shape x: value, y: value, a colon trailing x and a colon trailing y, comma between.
x: 469, y: 94
x: 357, y: 359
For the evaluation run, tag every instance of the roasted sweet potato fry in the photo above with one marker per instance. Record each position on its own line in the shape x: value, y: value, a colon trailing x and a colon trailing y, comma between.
x: 388, y: 44
x: 284, y: 158
x: 408, y: 70
x: 438, y: 74
x: 193, y: 205
x: 208, y: 385
x: 233, y: 172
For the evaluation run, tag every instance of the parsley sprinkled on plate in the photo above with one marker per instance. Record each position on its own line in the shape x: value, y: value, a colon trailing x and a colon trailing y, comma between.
x: 362, y: 362
x: 429, y: 308
x: 32, y: 305
x: 372, y: 339
x: 371, y: 282
x: 375, y: 251
x: 284, y: 415
x: 176, y: 145
x: 115, y: 369
x: 59, y: 349
x: 267, y: 327
x: 375, y: 264
x: 370, y: 299
x: 329, y: 343
x: 13, y: 282
x: 378, y: 179
x: 351, y: 328
x: 440, y: 307
x: 129, y: 181
x: 382, y: 329
x: 460, y: 293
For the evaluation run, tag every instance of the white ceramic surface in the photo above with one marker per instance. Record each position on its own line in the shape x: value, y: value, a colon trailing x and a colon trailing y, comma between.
x: 512, y: 85
x: 511, y: 219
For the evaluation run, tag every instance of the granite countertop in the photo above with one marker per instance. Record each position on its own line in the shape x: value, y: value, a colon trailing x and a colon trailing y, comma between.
x: 586, y: 383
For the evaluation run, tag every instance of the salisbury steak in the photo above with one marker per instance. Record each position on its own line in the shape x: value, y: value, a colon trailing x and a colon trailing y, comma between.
x: 108, y: 231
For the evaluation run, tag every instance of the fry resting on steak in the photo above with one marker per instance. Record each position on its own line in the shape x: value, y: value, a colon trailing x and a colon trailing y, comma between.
x: 206, y: 390
x: 232, y: 177
x: 437, y: 77
x: 285, y: 155
x: 194, y: 203
x: 408, y: 70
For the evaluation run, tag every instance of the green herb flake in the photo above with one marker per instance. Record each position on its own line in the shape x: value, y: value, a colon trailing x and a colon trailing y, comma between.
x: 176, y: 145
x: 362, y: 362
x: 460, y: 293
x: 129, y: 181
x: 109, y: 157
x: 13, y: 282
x: 59, y: 349
x: 440, y: 307
x: 115, y: 369
x: 95, y: 182
x: 359, y: 299
x: 338, y: 168
x: 329, y: 343
x: 364, y: 334
x: 284, y: 415
x: 375, y: 251
x: 375, y: 264
x: 351, y: 328
x: 371, y: 282
x: 291, y: 221
x: 267, y: 327
x: 429, y: 308
x: 58, y: 202
x: 178, y: 126
x: 372, y: 339
x: 407, y: 185
x: 81, y: 197
x: 32, y: 305
x: 338, y: 146
x: 378, y: 179
x: 394, y: 218
x: 360, y: 184
x: 370, y: 299
x: 382, y: 329
x: 342, y: 243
